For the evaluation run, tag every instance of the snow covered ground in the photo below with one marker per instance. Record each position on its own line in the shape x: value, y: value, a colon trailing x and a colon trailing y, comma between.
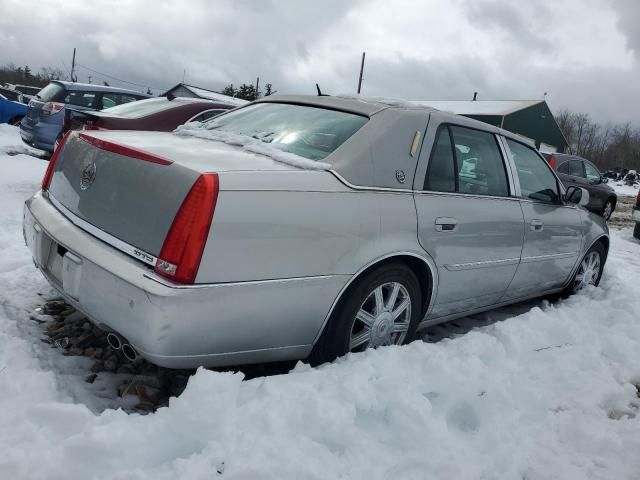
x: 547, y: 392
x: 622, y: 189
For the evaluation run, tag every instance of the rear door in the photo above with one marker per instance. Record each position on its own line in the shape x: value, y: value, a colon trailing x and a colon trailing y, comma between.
x: 467, y: 219
x: 553, y: 229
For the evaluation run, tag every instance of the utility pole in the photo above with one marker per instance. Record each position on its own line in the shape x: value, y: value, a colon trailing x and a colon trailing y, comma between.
x: 257, y: 86
x: 73, y: 66
x: 361, y: 71
x: 89, y: 78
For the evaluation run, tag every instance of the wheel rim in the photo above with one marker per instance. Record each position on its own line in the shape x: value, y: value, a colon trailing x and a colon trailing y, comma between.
x: 382, y: 319
x: 607, y: 210
x: 588, y: 271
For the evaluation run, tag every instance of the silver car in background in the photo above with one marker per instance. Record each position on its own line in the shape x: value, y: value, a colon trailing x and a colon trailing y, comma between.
x: 304, y: 228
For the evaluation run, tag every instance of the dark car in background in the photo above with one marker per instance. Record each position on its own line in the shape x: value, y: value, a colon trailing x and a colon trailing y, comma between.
x: 162, y: 114
x: 41, y: 127
x: 576, y: 171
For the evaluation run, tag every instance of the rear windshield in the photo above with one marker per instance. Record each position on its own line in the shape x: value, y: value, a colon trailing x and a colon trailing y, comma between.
x: 141, y: 108
x: 309, y: 132
x: 51, y: 92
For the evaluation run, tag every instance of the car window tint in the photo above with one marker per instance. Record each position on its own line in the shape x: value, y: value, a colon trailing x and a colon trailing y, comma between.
x: 206, y: 115
x: 81, y: 99
x: 110, y: 99
x: 440, y: 171
x: 481, y: 168
x: 51, y: 93
x: 593, y: 175
x: 307, y: 131
x: 564, y: 168
x: 575, y: 168
x: 537, y: 182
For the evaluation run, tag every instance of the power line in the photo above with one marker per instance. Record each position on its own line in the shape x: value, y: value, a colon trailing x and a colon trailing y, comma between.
x: 106, y: 75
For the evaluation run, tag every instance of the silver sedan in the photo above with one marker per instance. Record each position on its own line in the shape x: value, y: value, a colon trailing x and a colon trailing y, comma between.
x: 304, y: 228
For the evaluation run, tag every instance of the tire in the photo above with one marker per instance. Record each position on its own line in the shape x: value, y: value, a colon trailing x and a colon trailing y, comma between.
x: 357, y: 323
x: 579, y: 281
x: 636, y: 231
x: 607, y: 210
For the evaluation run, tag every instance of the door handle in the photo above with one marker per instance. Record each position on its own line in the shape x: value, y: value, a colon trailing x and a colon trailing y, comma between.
x: 446, y: 224
x: 536, y: 225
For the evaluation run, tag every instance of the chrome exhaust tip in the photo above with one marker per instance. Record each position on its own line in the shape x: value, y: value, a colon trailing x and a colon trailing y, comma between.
x: 129, y: 352
x: 115, y: 341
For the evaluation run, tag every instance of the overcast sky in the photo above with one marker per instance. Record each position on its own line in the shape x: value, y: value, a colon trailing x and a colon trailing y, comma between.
x: 584, y: 53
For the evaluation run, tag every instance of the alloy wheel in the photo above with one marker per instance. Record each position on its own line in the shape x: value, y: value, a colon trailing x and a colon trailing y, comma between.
x: 382, y: 319
x: 608, y: 210
x: 589, y: 270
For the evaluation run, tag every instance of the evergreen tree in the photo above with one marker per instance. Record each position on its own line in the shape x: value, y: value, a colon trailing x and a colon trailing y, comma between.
x: 229, y: 90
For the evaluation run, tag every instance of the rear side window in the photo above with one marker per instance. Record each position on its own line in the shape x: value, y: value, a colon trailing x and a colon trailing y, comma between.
x: 440, y: 172
x: 81, y: 99
x: 537, y: 182
x: 575, y: 168
x: 564, y: 168
x: 465, y: 160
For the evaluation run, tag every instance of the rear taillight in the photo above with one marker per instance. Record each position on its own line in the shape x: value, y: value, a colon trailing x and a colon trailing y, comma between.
x: 552, y: 161
x: 46, y: 180
x: 50, y: 108
x: 92, y: 126
x: 182, y: 250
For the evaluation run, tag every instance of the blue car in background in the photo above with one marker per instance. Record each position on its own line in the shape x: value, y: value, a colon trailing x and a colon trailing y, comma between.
x: 11, y: 107
x: 42, y: 124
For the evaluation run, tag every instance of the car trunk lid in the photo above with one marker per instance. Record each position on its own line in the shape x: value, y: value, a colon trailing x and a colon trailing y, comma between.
x: 131, y: 185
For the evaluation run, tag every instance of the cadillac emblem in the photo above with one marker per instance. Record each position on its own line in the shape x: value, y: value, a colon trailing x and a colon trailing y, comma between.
x: 88, y: 176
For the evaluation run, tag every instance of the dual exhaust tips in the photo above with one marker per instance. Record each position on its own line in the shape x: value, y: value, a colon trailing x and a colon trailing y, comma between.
x: 118, y: 342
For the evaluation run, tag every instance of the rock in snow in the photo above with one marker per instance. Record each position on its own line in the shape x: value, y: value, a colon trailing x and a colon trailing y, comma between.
x: 546, y: 393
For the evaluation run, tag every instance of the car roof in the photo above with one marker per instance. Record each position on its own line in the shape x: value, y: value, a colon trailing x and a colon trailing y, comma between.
x: 97, y: 88
x: 372, y: 106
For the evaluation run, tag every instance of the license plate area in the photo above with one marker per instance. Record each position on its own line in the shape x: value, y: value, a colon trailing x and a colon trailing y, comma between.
x: 64, y: 268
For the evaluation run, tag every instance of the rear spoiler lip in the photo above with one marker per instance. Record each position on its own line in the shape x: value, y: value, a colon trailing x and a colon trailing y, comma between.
x: 124, y: 150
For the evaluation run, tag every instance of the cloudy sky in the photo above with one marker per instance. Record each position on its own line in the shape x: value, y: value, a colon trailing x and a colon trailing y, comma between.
x: 584, y: 53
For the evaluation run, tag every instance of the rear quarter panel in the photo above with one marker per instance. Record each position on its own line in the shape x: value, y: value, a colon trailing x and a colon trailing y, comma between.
x: 276, y: 225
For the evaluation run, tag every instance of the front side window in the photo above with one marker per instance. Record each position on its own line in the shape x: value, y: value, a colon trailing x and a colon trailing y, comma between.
x: 593, y: 175
x: 536, y: 180
x: 310, y: 132
x: 464, y: 160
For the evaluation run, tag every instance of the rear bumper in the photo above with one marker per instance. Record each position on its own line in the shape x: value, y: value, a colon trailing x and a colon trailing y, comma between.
x: 40, y: 135
x: 170, y: 325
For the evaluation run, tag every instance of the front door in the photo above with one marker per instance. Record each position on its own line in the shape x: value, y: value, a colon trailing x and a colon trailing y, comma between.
x: 553, y: 230
x: 467, y: 219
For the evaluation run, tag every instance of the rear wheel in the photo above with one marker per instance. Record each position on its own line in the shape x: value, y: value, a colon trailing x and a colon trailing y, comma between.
x: 589, y: 271
x: 383, y: 308
x: 607, y: 210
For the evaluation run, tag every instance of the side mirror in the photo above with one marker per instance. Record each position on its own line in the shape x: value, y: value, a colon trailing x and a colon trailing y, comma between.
x: 577, y: 195
x: 604, y: 179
